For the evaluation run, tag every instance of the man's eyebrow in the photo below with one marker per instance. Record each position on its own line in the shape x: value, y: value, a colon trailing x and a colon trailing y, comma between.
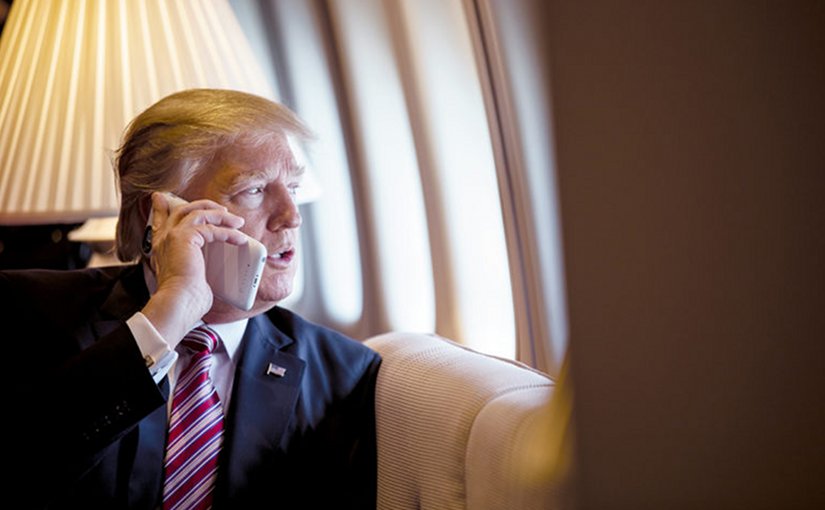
x: 296, y: 170
x: 238, y: 180
x: 241, y: 179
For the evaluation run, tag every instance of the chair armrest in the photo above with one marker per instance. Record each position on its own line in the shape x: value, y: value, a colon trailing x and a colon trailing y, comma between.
x: 451, y: 423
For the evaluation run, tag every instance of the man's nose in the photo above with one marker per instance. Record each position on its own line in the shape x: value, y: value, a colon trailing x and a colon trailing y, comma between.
x: 284, y: 210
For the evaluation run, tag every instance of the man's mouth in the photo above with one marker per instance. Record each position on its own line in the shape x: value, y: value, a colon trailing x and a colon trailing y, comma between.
x: 283, y: 257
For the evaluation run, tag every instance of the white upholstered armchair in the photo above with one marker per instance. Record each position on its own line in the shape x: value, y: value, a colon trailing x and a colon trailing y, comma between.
x: 458, y: 429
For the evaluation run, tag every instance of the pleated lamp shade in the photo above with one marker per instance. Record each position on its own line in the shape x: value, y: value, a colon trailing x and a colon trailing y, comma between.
x: 73, y: 73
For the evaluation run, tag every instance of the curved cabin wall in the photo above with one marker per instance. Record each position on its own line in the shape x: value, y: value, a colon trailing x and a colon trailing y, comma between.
x: 690, y: 160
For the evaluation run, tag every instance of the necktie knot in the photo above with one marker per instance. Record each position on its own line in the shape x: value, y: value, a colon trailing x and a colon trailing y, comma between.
x: 201, y: 339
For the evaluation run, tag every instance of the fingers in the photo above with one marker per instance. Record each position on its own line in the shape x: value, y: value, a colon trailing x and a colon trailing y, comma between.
x: 170, y: 211
x: 185, y: 215
x: 211, y: 233
x: 160, y: 210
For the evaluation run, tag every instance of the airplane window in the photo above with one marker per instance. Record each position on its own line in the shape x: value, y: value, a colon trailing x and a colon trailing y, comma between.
x: 508, y: 44
x: 334, y: 228
x: 392, y: 185
x: 456, y: 140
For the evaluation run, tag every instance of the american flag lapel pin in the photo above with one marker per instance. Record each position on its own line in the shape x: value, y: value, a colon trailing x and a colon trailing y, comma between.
x: 275, y: 370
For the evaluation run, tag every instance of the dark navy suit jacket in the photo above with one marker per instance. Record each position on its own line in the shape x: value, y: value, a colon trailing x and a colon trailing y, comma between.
x: 89, y: 423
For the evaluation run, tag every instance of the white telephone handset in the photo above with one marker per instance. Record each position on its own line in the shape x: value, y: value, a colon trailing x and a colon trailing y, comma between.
x: 233, y: 272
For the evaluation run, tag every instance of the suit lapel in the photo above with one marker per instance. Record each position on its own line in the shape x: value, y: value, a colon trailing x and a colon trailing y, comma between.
x: 263, y: 401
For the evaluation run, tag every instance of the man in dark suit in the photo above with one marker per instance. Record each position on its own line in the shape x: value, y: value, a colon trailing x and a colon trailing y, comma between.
x: 98, y: 353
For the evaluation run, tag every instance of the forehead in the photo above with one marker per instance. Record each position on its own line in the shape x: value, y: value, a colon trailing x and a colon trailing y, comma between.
x: 234, y: 164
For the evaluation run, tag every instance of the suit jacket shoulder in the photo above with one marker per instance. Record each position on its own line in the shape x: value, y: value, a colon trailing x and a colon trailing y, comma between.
x: 319, y: 342
x: 60, y: 301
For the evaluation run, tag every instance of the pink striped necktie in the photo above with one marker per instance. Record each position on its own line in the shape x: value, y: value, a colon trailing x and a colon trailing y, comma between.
x: 195, y: 429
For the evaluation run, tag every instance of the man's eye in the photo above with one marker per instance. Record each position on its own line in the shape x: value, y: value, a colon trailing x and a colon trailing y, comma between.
x: 254, y: 191
x: 293, y: 190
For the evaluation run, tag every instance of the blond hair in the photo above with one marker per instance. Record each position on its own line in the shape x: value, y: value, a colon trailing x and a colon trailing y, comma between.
x: 171, y: 141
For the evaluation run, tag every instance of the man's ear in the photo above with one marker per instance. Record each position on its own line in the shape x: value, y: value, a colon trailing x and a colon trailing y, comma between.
x: 144, y: 207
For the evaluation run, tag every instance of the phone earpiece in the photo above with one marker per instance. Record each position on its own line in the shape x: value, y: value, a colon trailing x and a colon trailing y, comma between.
x: 146, y: 245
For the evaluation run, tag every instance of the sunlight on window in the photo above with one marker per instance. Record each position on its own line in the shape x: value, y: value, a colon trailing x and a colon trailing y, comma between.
x: 394, y: 185
x: 520, y: 77
x: 457, y: 132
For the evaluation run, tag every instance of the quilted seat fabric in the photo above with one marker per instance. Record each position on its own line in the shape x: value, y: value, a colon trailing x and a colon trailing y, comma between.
x: 453, y: 425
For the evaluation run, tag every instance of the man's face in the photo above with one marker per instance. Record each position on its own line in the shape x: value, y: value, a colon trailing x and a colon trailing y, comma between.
x: 259, y: 184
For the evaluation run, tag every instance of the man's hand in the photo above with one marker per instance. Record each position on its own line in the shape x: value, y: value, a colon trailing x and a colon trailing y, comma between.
x: 180, y: 230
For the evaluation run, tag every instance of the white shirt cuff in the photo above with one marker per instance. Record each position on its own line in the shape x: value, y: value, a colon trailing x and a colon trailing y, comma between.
x: 155, y: 350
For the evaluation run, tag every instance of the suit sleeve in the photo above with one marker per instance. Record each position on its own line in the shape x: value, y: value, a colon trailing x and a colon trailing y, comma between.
x: 73, y: 394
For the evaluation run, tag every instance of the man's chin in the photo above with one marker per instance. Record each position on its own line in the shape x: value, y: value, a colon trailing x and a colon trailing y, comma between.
x: 267, y: 297
x: 271, y: 297
x: 274, y: 288
x: 223, y: 312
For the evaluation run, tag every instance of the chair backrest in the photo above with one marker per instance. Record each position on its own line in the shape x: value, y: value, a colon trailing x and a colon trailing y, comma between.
x: 454, y: 427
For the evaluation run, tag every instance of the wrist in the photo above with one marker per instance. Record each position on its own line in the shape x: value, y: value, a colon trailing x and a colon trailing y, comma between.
x: 174, y: 313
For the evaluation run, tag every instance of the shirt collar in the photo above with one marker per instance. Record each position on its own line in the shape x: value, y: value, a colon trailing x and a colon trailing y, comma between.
x: 231, y: 334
